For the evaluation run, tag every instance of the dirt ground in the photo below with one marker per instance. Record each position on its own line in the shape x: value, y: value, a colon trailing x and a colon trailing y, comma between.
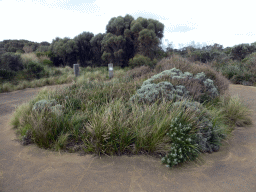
x: 29, y: 168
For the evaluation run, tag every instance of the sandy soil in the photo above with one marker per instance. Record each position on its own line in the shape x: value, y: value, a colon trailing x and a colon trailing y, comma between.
x: 29, y: 168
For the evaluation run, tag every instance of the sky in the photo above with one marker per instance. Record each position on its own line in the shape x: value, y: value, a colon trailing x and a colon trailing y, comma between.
x: 187, y: 22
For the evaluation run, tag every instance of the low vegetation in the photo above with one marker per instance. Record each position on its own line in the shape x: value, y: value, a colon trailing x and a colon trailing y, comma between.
x: 98, y: 118
x: 103, y: 116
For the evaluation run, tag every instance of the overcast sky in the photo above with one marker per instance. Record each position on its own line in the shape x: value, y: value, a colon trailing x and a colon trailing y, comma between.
x: 226, y: 22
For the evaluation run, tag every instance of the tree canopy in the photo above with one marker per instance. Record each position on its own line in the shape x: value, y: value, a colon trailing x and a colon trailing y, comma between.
x: 84, y: 47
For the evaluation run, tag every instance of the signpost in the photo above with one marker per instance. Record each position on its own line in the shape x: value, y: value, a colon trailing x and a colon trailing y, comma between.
x: 110, y: 69
x: 76, y: 69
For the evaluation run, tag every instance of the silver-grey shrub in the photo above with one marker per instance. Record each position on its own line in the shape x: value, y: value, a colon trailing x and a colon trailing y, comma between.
x: 44, y: 104
x: 150, y: 91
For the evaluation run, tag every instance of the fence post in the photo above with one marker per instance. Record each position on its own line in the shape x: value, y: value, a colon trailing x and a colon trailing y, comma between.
x: 76, y: 69
x: 110, y: 69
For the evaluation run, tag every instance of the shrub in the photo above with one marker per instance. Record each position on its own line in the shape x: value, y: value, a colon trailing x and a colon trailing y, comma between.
x: 208, y: 135
x: 140, y: 60
x: 186, y: 145
x: 39, y: 54
x: 250, y: 62
x: 7, y: 74
x: 184, y: 65
x: 231, y: 69
x: 20, y: 51
x: 239, y: 52
x: 48, y: 62
x: 183, y: 146
x: 149, y: 93
x: 42, y: 48
x: 11, y: 61
x: 35, y: 69
x: 199, y: 87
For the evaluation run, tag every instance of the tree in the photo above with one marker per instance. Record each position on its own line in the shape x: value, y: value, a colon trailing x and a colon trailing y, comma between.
x: 148, y: 41
x: 139, y: 25
x: 133, y: 35
x: 117, y: 25
x: 45, y: 43
x: 239, y: 52
x: 85, y: 52
x: 42, y: 48
x: 113, y: 46
x: 11, y: 61
x: 71, y: 50
x: 57, y: 61
x: 97, y: 48
x: 66, y: 49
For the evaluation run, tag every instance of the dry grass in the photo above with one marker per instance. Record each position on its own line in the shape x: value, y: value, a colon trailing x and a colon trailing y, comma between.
x: 28, y: 57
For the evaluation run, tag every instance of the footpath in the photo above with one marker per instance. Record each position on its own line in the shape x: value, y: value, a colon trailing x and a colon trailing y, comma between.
x: 31, y: 169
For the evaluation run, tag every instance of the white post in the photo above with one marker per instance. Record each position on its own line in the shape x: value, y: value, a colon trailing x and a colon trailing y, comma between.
x: 110, y: 69
x: 76, y: 69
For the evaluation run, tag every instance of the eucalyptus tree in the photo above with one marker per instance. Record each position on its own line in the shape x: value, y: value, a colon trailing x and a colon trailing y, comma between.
x: 145, y: 35
x: 57, y: 61
x: 114, y: 48
x: 127, y: 37
x: 96, y: 48
x: 66, y: 49
x: 148, y: 41
x: 85, y: 52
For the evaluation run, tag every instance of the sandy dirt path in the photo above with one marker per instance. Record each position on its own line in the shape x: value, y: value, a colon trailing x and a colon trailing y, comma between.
x: 31, y: 169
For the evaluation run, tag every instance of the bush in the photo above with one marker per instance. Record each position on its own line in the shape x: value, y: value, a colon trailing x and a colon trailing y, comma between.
x: 173, y: 84
x: 184, y: 146
x: 176, y: 61
x: 6, y: 74
x: 48, y: 62
x: 34, y: 69
x: 42, y: 48
x: 39, y: 54
x: 250, y: 62
x: 11, y: 61
x: 239, y: 52
x: 20, y: 51
x: 140, y: 60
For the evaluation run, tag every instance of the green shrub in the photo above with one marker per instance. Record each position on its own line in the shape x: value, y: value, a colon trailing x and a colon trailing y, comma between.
x: 11, y: 61
x: 250, y: 62
x: 39, y: 54
x: 140, y: 60
x: 48, y: 62
x: 239, y: 52
x: 184, y: 146
x: 34, y: 69
x: 7, y: 74
x: 231, y: 69
x: 20, y: 51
